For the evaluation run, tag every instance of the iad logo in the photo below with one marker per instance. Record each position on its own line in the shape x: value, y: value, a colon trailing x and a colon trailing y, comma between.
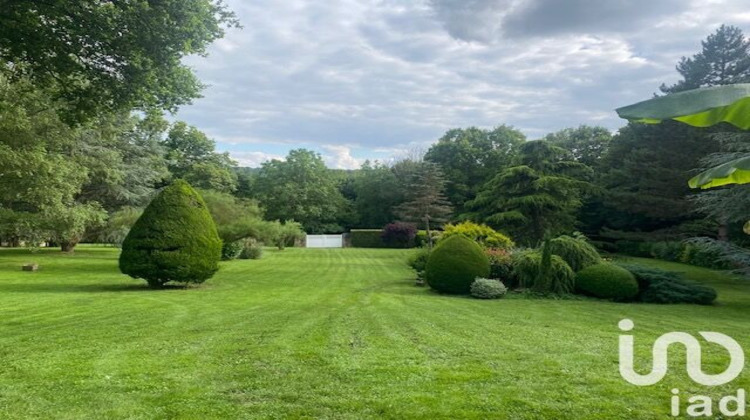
x: 702, y: 405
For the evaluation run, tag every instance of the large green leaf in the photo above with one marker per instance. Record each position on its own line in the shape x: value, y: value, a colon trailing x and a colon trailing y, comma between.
x: 702, y: 107
x: 733, y: 172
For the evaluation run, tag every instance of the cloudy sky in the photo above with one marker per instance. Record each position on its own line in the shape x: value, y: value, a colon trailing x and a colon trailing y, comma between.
x: 376, y: 79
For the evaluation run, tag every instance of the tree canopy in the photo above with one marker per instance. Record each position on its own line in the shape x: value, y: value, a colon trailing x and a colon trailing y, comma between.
x: 104, y: 56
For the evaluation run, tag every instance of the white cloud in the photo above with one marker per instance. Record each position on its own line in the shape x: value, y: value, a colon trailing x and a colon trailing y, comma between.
x: 375, y: 75
x: 253, y: 159
x: 340, y: 157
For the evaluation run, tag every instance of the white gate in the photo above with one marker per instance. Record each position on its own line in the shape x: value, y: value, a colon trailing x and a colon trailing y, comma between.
x: 325, y: 241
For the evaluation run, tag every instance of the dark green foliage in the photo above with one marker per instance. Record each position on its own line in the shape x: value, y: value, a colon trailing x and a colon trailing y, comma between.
x: 366, y: 238
x: 454, y: 264
x: 578, y: 253
x: 488, y: 289
x: 720, y: 254
x: 585, y: 143
x: 175, y: 240
x: 471, y: 156
x: 698, y: 252
x: 111, y: 55
x: 659, y: 286
x: 301, y: 188
x: 724, y: 59
x: 527, y: 268
x: 373, y: 238
x: 541, y: 195
x: 231, y: 250
x: 645, y: 175
x: 418, y: 260
x: 668, y: 251
x: 377, y: 192
x: 633, y: 248
x: 607, y: 281
x: 192, y: 157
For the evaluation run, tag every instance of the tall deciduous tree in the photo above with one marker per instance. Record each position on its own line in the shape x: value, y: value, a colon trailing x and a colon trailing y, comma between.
x: 537, y: 197
x: 377, y: 192
x: 425, y: 202
x: 101, y: 56
x: 192, y: 157
x: 587, y: 144
x: 470, y: 157
x: 300, y: 188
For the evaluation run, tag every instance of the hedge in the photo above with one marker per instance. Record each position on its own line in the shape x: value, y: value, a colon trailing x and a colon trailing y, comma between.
x: 372, y: 238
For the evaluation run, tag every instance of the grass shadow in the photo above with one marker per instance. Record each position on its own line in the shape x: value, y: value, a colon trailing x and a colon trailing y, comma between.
x: 81, y: 288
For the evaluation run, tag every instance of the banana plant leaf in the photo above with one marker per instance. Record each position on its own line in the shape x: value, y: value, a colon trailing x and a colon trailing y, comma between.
x: 702, y: 107
x: 733, y: 172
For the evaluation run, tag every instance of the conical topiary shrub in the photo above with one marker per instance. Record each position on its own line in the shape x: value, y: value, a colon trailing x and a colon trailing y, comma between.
x: 454, y: 265
x: 174, y: 240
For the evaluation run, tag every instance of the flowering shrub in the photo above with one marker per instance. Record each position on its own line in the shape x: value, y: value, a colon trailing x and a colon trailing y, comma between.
x: 481, y: 234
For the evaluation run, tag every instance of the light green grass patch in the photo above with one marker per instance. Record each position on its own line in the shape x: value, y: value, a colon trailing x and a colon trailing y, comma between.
x: 344, y: 333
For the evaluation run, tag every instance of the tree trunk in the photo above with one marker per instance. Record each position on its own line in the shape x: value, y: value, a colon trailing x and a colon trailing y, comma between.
x: 68, y: 246
x: 429, y: 235
x: 723, y: 232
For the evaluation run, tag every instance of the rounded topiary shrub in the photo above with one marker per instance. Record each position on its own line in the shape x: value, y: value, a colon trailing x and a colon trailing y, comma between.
x: 454, y: 264
x: 607, y: 281
x: 174, y: 240
x: 488, y: 289
x: 578, y: 253
x: 231, y: 250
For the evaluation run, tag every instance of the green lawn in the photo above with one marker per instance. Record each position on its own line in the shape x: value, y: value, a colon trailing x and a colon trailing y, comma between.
x: 327, y: 334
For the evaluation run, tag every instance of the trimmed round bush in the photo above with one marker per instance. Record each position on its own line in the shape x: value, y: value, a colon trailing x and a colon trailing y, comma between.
x: 231, y: 250
x: 488, y: 289
x: 578, y: 253
x: 454, y: 264
x: 607, y: 281
x: 174, y: 240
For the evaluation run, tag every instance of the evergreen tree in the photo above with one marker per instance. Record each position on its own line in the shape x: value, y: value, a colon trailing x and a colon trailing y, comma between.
x: 174, y: 240
x: 729, y: 205
x: 724, y: 59
x: 540, y: 195
x: 647, y: 166
x: 426, y: 203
